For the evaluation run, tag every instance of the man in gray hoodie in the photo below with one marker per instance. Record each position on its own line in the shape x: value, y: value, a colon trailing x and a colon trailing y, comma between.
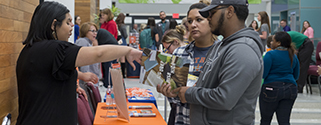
x: 229, y: 84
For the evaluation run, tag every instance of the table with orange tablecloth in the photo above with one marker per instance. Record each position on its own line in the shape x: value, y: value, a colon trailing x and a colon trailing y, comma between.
x: 158, y: 120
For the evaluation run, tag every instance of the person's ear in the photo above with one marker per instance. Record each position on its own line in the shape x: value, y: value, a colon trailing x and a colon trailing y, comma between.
x: 230, y: 12
x: 53, y: 24
x: 176, y: 42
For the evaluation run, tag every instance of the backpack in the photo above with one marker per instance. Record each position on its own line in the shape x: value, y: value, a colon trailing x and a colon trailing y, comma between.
x: 145, y: 39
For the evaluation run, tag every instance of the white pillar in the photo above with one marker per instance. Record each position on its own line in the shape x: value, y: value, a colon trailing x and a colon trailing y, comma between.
x: 70, y: 4
x: 105, y: 4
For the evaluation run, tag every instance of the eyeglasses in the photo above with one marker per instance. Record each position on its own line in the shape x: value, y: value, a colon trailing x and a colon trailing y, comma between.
x: 211, y: 13
x: 169, y: 46
x: 94, y: 31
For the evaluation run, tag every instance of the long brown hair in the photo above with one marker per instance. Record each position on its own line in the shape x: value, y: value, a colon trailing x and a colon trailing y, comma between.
x: 120, y: 19
x: 264, y: 19
x: 303, y: 28
x: 151, y: 24
x: 108, y: 13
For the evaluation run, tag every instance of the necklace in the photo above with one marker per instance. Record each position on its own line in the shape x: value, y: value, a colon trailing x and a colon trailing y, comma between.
x: 281, y: 48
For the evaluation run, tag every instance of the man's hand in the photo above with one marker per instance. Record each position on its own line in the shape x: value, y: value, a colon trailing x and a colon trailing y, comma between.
x: 181, y: 93
x: 82, y: 92
x: 165, y: 89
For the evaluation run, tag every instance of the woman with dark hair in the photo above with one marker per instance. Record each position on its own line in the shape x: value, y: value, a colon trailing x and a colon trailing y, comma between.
x: 254, y: 25
x: 307, y: 29
x: 151, y: 24
x: 46, y: 67
x: 279, y: 90
x: 122, y: 29
x: 265, y: 28
x: 146, y: 40
x: 195, y: 52
x: 172, y: 24
x: 77, y: 24
x: 109, y: 24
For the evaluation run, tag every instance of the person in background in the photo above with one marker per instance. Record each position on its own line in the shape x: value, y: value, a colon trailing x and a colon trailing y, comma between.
x: 106, y: 38
x: 268, y: 43
x: 172, y: 38
x: 195, y: 51
x: 135, y: 29
x: 283, y: 23
x: 88, y: 33
x: 228, y: 86
x: 109, y: 24
x: 161, y: 27
x: 101, y: 20
x: 304, y: 48
x: 122, y: 29
x: 207, y: 2
x: 86, y: 77
x: 153, y: 34
x: 77, y: 24
x: 254, y: 25
x: 46, y: 67
x: 142, y: 27
x: 172, y: 24
x: 307, y: 29
x: 279, y: 90
x: 265, y: 28
x: 319, y: 71
x: 187, y: 37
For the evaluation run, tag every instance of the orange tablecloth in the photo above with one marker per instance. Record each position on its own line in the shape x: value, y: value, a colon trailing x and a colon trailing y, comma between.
x: 158, y: 120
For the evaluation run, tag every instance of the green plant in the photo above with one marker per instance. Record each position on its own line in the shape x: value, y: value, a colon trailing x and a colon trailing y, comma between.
x: 96, y: 20
x: 115, y: 10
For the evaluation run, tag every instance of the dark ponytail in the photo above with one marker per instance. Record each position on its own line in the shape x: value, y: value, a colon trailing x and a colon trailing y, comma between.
x: 286, y: 42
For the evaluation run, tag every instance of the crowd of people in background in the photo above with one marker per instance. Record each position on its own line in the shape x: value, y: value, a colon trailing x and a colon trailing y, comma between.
x: 230, y: 71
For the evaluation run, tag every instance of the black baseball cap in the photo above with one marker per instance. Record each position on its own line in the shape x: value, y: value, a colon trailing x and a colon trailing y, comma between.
x: 215, y: 3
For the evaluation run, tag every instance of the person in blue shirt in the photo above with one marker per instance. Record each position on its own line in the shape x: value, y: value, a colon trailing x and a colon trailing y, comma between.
x: 283, y: 23
x: 77, y: 24
x: 279, y: 90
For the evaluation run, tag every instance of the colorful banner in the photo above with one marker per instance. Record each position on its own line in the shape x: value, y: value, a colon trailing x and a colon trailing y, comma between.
x: 175, y: 1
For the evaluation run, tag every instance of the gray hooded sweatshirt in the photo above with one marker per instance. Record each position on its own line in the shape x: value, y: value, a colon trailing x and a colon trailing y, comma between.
x: 229, y: 84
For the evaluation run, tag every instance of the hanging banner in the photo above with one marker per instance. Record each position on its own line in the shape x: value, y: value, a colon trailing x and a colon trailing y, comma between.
x: 175, y: 1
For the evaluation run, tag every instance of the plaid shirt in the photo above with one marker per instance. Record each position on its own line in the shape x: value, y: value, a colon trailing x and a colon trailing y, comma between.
x: 182, y: 109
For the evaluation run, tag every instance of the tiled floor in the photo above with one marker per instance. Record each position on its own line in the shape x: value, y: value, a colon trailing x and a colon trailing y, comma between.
x: 306, y: 110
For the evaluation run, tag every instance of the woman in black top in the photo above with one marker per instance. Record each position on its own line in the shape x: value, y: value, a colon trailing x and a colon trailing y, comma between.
x: 46, y: 73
